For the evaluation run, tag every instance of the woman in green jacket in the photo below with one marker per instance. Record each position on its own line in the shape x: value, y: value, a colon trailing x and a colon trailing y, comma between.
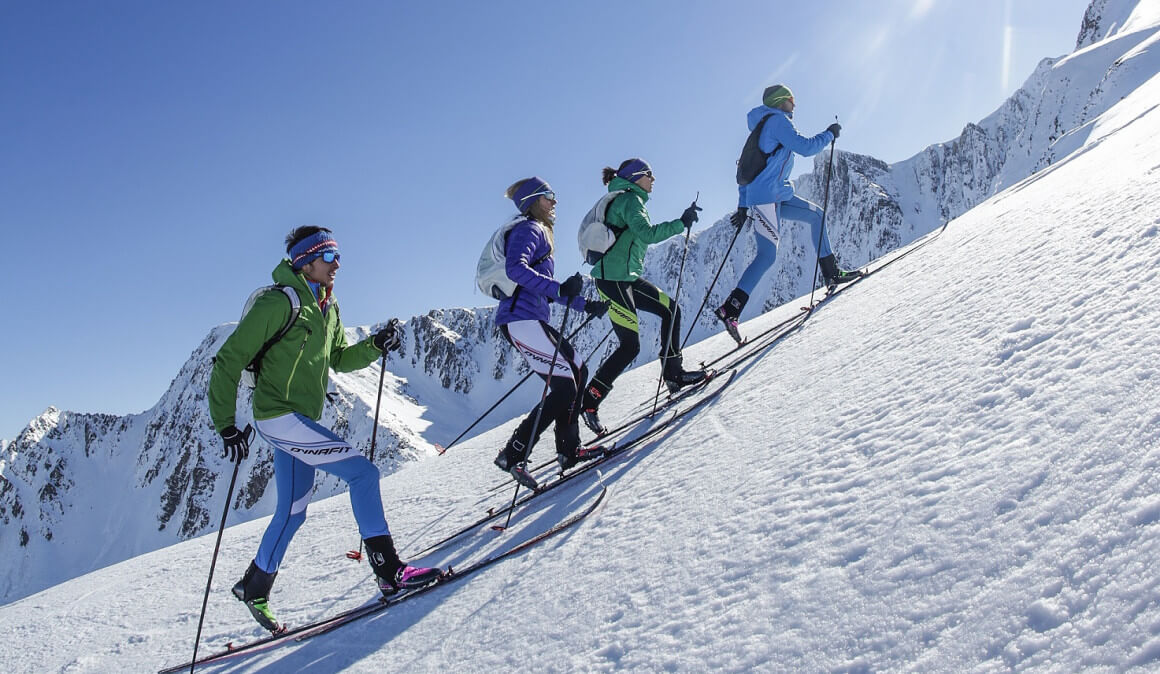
x: 618, y: 280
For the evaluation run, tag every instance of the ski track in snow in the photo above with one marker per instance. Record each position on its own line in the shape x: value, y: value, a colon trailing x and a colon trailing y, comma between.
x: 951, y: 466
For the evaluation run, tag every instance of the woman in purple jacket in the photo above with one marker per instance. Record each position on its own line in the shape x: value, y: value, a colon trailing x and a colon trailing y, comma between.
x: 523, y: 320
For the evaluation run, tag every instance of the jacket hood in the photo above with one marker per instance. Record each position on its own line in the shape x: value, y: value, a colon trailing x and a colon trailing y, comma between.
x: 755, y: 115
x: 285, y: 275
x: 619, y: 183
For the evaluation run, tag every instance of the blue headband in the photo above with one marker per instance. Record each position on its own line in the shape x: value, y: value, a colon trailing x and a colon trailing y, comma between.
x: 309, y: 249
x: 532, y: 187
x: 634, y: 169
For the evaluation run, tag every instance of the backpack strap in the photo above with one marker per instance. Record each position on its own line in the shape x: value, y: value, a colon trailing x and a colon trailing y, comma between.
x: 531, y: 265
x: 615, y: 230
x: 604, y: 217
x: 295, y: 309
x: 757, y: 130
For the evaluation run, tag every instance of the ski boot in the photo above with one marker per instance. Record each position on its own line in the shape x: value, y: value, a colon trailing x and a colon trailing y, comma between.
x: 393, y: 575
x: 513, y: 459
x: 835, y: 275
x: 579, y: 455
x: 524, y: 476
x: 729, y: 312
x: 593, y: 396
x: 592, y: 421
x: 254, y: 591
x: 677, y: 378
x: 569, y: 452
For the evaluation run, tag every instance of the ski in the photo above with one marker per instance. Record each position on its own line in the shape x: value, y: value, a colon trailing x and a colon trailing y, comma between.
x: 263, y: 643
x: 670, y: 399
x: 304, y: 632
x: 866, y: 273
x: 623, y: 427
x: 775, y: 333
x: 451, y: 575
x: 759, y: 343
x: 580, y: 469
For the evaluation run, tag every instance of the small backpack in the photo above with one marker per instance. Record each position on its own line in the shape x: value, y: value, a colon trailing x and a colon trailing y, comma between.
x: 596, y: 236
x: 250, y: 375
x: 491, y: 270
x: 752, y: 160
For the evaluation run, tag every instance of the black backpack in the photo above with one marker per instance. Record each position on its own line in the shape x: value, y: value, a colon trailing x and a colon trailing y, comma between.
x: 752, y: 161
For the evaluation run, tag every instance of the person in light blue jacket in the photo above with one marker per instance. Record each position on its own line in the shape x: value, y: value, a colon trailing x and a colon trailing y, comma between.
x: 770, y: 198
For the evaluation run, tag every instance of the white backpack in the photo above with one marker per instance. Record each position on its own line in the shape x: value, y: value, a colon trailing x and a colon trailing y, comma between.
x: 250, y: 374
x: 595, y: 236
x: 491, y: 271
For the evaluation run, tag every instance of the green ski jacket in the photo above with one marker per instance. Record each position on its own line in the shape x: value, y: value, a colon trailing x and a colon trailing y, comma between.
x: 625, y: 260
x: 295, y: 370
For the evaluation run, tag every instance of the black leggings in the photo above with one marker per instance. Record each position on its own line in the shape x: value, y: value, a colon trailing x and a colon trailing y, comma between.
x: 536, y: 341
x: 625, y: 299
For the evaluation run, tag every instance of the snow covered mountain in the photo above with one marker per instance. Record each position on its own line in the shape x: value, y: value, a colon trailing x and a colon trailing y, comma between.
x: 980, y: 493
x: 63, y: 520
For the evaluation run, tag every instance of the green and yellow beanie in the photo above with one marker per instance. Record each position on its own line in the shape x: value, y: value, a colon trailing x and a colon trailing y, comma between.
x: 775, y: 95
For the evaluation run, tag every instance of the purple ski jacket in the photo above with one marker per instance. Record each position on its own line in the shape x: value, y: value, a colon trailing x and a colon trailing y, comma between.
x: 530, y: 264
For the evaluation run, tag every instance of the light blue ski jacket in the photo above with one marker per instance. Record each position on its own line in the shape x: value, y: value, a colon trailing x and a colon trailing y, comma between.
x: 772, y: 184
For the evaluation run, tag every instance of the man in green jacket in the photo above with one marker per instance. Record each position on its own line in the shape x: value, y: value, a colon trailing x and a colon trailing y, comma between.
x: 618, y: 280
x: 289, y: 393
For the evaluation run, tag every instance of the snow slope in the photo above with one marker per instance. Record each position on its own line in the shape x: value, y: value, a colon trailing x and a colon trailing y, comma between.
x: 54, y: 476
x: 952, y: 466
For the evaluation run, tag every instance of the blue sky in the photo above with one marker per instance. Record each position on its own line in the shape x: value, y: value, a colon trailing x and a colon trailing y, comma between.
x: 155, y: 154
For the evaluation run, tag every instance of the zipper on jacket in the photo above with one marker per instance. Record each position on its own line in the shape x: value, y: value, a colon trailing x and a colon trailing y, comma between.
x: 297, y: 359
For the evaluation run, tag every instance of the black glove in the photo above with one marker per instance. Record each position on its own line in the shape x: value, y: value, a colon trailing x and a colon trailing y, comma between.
x: 388, y: 339
x: 835, y: 129
x: 596, y: 308
x: 573, y: 286
x: 739, y: 218
x: 237, y: 443
x: 690, y: 215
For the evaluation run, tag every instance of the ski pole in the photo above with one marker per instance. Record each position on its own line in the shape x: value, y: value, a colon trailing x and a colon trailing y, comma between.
x: 248, y: 432
x: 539, y: 411
x: 356, y: 555
x: 676, y: 308
x: 822, y: 229
x: 443, y: 450
x: 724, y: 259
x: 598, y: 345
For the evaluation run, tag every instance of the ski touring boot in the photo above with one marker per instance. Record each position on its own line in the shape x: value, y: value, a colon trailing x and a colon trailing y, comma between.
x: 729, y: 312
x: 524, y: 476
x: 835, y: 275
x: 567, y: 459
x: 592, y: 421
x: 513, y: 459
x: 677, y: 378
x: 593, y: 396
x: 391, y: 574
x: 254, y: 590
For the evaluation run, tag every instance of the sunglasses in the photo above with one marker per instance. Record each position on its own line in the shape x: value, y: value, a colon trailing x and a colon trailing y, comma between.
x: 547, y: 194
x: 329, y: 257
x: 646, y: 174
